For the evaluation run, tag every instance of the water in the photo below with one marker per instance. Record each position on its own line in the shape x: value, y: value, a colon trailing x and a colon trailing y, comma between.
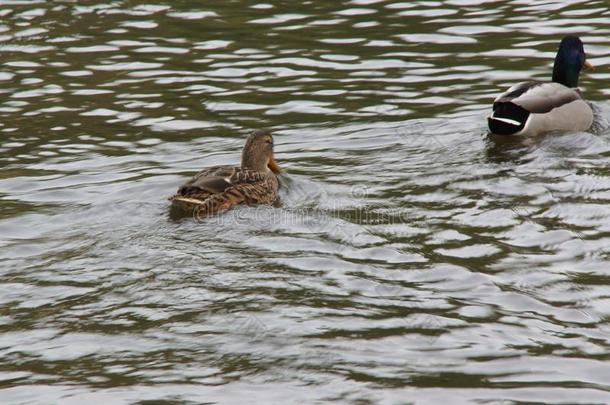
x: 413, y: 259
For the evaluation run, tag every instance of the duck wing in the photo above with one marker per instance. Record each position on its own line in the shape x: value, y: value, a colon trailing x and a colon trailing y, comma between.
x: 218, y: 188
x: 513, y: 109
x: 538, y: 97
x: 218, y: 179
x: 212, y: 180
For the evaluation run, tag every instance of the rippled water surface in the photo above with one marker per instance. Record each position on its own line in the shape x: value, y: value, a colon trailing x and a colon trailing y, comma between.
x: 413, y: 258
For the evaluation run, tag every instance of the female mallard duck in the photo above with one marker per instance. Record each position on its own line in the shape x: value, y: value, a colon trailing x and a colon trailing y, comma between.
x: 530, y: 108
x: 218, y: 188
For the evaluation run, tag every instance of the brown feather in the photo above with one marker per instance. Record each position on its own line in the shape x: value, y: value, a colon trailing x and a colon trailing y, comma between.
x: 218, y: 188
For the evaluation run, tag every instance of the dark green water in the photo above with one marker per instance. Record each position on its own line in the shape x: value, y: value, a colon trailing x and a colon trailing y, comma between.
x: 413, y: 258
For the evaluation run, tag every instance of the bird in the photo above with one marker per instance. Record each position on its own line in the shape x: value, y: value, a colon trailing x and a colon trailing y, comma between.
x: 533, y: 107
x: 216, y: 189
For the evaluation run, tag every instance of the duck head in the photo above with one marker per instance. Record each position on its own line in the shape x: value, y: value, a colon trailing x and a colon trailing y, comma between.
x: 570, y: 60
x: 258, y: 153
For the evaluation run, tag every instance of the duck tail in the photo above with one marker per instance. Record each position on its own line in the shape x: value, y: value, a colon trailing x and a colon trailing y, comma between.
x: 217, y: 203
x: 507, y: 118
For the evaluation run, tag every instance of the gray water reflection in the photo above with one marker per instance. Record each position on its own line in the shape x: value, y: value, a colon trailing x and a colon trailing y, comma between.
x: 413, y: 259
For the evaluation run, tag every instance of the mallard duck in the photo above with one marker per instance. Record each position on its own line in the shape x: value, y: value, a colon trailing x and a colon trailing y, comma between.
x: 530, y: 108
x: 218, y: 188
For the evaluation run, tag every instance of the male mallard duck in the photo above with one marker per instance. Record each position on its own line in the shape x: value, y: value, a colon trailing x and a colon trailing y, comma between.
x: 530, y: 108
x: 218, y: 188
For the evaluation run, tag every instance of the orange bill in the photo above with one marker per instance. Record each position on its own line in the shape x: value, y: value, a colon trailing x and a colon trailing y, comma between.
x: 588, y: 66
x: 273, y: 166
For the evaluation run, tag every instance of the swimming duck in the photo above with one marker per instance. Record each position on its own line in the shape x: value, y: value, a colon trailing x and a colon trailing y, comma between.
x: 530, y: 108
x: 218, y: 188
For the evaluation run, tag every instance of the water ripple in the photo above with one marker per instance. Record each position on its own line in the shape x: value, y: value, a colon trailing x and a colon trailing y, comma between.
x: 411, y: 255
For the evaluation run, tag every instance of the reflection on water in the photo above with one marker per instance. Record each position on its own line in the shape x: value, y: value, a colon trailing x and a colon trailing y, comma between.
x: 413, y: 256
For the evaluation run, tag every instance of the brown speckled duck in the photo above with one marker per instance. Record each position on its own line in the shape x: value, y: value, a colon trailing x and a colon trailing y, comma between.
x: 218, y: 188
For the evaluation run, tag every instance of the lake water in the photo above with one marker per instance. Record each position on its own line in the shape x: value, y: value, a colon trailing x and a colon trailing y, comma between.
x: 413, y: 259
